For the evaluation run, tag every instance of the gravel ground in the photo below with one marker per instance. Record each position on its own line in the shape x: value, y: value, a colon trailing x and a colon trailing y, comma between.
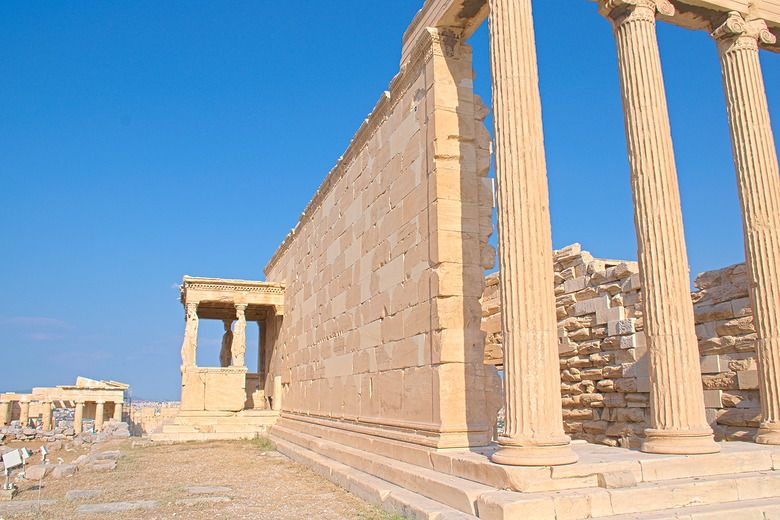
x: 260, y: 484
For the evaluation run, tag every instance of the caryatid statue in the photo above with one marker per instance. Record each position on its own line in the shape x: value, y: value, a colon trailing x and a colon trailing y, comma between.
x: 227, y: 343
x: 190, y: 343
x: 238, y: 346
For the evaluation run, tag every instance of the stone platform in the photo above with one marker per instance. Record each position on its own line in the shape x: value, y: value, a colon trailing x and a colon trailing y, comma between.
x: 741, y: 482
x: 204, y: 426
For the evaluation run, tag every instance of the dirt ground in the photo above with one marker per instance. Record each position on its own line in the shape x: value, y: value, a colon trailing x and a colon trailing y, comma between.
x: 263, y: 484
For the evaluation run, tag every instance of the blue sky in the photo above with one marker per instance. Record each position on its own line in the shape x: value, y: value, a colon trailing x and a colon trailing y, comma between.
x: 141, y: 141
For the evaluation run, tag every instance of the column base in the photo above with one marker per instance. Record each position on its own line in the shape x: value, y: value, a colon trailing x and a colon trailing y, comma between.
x: 768, y: 433
x: 680, y: 442
x: 550, y: 455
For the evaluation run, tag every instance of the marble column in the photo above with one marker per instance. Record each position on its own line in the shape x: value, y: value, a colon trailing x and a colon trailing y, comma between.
x: 227, y: 342
x: 24, y: 413
x: 118, y: 412
x: 534, y: 425
x: 238, y: 347
x: 276, y: 400
x: 46, y: 419
x: 78, y: 418
x: 100, y: 415
x: 758, y: 180
x: 6, y: 408
x: 677, y: 421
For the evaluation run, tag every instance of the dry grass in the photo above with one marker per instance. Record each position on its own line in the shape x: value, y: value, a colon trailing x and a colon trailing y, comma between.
x: 263, y: 485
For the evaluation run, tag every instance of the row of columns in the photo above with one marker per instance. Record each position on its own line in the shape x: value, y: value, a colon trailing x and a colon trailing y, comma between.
x: 100, y: 415
x: 6, y: 410
x: 233, y: 351
x: 534, y: 432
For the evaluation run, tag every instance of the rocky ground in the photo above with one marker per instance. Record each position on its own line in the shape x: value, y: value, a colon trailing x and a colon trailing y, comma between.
x: 236, y: 480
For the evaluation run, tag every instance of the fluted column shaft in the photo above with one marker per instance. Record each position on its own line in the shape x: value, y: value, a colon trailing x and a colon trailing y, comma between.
x: 189, y: 346
x: 24, y: 413
x: 46, y: 417
x: 5, y: 413
x: 100, y: 415
x: 118, y: 412
x: 238, y: 347
x: 678, y: 422
x: 758, y: 180
x: 78, y: 418
x: 534, y: 426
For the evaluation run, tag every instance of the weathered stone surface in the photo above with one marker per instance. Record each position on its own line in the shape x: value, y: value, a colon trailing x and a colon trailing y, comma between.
x: 37, y: 471
x: 25, y: 506
x: 64, y: 470
x: 202, y: 500
x: 82, y: 494
x: 117, y: 507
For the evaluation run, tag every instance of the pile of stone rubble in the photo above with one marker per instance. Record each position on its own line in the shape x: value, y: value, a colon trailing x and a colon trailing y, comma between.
x: 63, y: 432
x: 63, y: 438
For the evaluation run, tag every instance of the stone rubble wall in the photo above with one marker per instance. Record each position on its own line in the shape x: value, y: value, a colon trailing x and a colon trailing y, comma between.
x: 603, y: 355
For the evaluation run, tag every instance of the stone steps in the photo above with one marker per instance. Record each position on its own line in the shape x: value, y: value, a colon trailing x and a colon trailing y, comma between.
x: 764, y: 509
x: 737, y: 491
x: 596, y: 464
x: 392, y: 498
x: 233, y: 420
x: 454, y: 492
x: 203, y: 436
x: 205, y: 426
x: 217, y: 428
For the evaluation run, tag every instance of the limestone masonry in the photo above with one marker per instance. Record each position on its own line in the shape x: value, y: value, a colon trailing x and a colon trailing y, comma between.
x: 604, y: 375
x: 380, y: 336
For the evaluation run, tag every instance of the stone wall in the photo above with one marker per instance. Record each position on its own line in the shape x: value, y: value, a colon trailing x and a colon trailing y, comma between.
x: 603, y: 356
x: 724, y: 326
x: 144, y: 420
x: 385, y: 269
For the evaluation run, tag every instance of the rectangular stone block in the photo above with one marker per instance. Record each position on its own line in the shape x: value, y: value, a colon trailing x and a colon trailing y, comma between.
x: 506, y: 505
x: 590, y: 306
x: 621, y: 327
x: 747, y: 380
x: 710, y: 364
x: 713, y: 398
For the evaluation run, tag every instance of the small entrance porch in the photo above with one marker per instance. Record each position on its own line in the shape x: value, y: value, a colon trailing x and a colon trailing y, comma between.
x: 227, y: 401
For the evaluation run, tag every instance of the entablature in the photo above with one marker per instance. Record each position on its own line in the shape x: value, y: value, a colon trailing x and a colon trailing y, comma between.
x: 706, y: 15
x: 216, y: 298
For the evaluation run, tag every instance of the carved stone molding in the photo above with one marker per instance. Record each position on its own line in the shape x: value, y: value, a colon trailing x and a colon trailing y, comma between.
x: 736, y: 33
x: 620, y: 11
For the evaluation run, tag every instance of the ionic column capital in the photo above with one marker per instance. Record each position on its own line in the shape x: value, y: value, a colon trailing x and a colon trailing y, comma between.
x: 736, y: 33
x: 620, y: 11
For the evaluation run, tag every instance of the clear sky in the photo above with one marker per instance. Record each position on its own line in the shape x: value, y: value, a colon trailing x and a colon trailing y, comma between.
x: 142, y: 141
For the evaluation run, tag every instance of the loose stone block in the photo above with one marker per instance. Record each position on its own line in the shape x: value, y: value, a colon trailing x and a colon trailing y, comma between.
x: 117, y: 507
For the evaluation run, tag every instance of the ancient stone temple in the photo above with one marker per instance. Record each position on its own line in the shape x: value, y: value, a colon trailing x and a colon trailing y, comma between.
x: 93, y: 400
x: 227, y: 401
x: 375, y: 316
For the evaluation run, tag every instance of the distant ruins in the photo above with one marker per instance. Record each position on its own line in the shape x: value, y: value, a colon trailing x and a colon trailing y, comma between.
x: 372, y: 357
x: 92, y: 400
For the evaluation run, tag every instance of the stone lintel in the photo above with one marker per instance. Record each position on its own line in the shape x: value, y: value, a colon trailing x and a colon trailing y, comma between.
x: 216, y: 297
x: 690, y: 14
x: 457, y: 14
